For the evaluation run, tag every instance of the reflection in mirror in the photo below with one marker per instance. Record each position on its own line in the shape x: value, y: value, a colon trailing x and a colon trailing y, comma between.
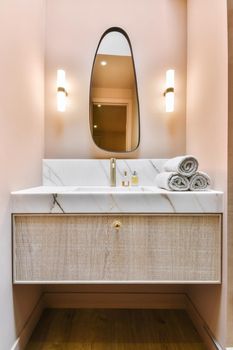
x: 114, y: 107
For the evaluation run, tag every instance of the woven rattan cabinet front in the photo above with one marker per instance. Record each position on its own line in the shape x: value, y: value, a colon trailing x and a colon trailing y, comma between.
x: 117, y: 248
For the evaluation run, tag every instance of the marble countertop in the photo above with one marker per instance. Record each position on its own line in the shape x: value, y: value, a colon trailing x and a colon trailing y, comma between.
x: 61, y: 194
x: 105, y: 199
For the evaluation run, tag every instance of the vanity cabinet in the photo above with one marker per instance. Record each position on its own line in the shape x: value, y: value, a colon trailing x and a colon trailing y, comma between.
x: 174, y: 248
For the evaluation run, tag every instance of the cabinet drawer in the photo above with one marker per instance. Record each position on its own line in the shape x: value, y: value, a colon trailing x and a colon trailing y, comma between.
x: 126, y: 248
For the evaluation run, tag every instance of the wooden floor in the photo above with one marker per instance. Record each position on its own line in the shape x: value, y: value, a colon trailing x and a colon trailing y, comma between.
x: 110, y: 329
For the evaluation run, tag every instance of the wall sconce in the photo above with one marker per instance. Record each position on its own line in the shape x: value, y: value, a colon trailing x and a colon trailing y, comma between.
x: 61, y: 90
x: 169, y: 92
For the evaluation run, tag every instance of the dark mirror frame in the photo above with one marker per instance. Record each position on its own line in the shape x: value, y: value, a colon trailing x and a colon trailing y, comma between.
x: 120, y: 30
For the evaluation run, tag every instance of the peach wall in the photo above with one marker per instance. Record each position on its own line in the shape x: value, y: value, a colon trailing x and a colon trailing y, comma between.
x: 230, y: 175
x: 207, y: 128
x: 158, y: 35
x: 157, y: 30
x: 21, y: 135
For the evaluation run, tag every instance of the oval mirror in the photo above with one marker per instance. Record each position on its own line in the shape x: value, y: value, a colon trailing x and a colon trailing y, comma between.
x: 114, y: 106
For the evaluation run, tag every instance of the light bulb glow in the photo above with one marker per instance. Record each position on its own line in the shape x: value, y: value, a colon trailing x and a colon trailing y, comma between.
x: 103, y: 63
x: 169, y: 98
x: 61, y: 101
x: 61, y: 78
x: 169, y: 92
x: 170, y: 78
x: 61, y: 90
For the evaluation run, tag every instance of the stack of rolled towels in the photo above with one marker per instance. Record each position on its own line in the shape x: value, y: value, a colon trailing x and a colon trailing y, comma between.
x: 181, y: 174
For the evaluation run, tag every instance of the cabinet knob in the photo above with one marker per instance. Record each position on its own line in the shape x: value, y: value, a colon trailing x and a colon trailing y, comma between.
x: 116, y: 224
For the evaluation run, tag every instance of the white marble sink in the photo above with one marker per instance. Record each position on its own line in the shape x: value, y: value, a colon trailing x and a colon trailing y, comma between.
x: 81, y: 186
x: 117, y: 189
x: 106, y: 199
x: 87, y: 189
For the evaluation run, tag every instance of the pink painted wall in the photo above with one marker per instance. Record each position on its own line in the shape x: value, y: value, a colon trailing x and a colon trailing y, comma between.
x: 206, y: 135
x: 157, y: 30
x: 21, y: 135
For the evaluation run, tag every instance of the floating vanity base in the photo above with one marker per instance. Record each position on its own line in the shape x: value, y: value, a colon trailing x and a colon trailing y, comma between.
x: 77, y: 229
x: 176, y: 248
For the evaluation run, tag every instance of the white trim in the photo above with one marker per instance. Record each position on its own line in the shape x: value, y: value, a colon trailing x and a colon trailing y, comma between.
x: 204, y: 331
x: 112, y: 101
x: 229, y: 348
x: 16, y: 345
x: 29, y: 326
x: 114, y: 282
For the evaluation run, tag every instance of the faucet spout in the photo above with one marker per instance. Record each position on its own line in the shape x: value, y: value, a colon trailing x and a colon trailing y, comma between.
x: 113, y: 172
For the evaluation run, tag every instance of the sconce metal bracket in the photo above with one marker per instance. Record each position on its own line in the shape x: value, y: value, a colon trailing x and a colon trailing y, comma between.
x: 62, y: 89
x: 171, y: 89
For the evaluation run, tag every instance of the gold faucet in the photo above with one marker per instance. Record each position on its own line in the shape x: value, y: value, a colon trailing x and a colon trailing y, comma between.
x: 113, y: 172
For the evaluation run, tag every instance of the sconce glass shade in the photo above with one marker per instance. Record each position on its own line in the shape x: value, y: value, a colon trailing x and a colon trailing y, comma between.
x: 169, y: 100
x: 61, y: 90
x: 169, y: 92
x: 61, y: 101
x: 170, y: 78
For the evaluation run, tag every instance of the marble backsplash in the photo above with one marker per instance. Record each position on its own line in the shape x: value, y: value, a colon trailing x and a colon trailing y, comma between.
x: 96, y: 172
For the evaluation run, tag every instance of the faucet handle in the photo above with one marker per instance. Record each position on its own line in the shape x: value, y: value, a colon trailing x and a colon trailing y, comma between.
x: 113, y: 172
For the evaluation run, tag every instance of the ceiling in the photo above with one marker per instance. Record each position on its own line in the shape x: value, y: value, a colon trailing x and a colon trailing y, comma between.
x: 118, y: 73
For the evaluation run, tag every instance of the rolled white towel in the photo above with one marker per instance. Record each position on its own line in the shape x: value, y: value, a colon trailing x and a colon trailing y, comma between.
x: 184, y: 165
x: 199, y: 181
x: 172, y: 181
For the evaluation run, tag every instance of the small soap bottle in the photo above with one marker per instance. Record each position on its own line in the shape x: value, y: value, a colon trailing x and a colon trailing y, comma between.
x: 125, y: 180
x: 134, y: 179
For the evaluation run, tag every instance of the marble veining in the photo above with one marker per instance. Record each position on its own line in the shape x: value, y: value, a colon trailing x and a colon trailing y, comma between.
x: 82, y: 186
x: 56, y: 202
x: 95, y: 172
x: 146, y: 199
